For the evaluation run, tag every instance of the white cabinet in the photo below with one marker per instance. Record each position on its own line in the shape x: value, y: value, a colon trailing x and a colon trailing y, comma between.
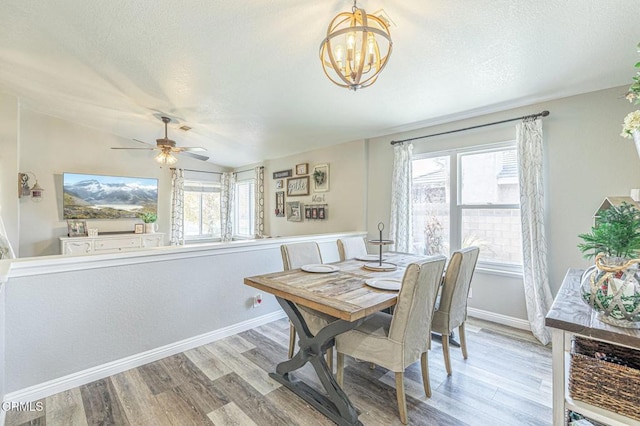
x: 110, y: 243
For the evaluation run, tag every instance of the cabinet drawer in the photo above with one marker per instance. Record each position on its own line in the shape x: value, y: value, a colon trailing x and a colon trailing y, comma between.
x: 117, y: 244
x: 152, y: 241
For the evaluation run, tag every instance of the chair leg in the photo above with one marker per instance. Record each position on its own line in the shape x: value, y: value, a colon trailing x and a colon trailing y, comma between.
x: 340, y: 368
x: 372, y: 365
x: 402, y: 401
x: 330, y: 359
x: 463, y: 341
x: 425, y: 374
x: 292, y: 339
x: 445, y: 351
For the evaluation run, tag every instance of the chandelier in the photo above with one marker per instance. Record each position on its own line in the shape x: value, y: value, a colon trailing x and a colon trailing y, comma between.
x: 356, y: 49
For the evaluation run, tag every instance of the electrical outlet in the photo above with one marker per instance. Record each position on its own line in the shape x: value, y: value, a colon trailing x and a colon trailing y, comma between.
x: 257, y: 300
x: 470, y: 291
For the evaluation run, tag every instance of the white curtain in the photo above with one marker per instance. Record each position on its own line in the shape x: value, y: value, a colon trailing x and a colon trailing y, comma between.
x: 177, y: 207
x: 259, y: 201
x: 534, y: 244
x: 6, y: 251
x: 401, y: 218
x: 228, y: 183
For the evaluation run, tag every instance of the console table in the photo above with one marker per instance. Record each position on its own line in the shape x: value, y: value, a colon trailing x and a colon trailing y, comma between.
x: 110, y: 243
x: 570, y: 316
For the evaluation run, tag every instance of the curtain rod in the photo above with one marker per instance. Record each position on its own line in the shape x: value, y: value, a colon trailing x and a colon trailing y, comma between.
x: 215, y: 173
x: 524, y: 117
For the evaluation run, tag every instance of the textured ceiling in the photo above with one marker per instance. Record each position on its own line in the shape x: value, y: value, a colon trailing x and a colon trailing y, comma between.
x: 246, y: 74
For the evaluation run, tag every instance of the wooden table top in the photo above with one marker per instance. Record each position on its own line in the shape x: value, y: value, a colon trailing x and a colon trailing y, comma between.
x: 341, y: 294
x: 570, y: 313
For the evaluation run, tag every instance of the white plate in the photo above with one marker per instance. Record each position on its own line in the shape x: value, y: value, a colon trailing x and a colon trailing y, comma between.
x: 319, y: 268
x: 385, y: 283
x: 369, y: 257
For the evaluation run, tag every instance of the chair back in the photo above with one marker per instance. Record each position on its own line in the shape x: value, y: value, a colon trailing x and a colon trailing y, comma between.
x: 299, y: 254
x: 455, y: 289
x: 351, y: 247
x: 412, y: 314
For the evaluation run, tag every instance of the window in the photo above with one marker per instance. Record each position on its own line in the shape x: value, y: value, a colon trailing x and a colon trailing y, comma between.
x: 201, y: 210
x: 244, y: 209
x: 469, y: 197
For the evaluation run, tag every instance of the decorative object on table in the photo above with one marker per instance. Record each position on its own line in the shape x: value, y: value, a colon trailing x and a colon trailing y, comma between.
x: 380, y: 266
x: 92, y: 232
x: 77, y: 228
x: 282, y: 174
x: 279, y: 204
x: 631, y: 126
x: 320, y: 178
x: 138, y: 228
x: 35, y: 192
x: 294, y: 211
x: 149, y: 219
x: 349, y: 34
x: 612, y: 285
x: 298, y: 186
x: 302, y: 169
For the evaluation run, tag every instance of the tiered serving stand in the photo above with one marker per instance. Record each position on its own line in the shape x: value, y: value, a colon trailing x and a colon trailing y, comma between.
x: 380, y: 266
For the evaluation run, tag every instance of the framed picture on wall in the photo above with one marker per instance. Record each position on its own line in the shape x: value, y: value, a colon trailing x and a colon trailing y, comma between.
x: 280, y: 184
x: 77, y: 228
x: 302, y: 169
x: 320, y: 178
x: 279, y: 204
x: 307, y: 212
x: 298, y: 186
x: 294, y: 211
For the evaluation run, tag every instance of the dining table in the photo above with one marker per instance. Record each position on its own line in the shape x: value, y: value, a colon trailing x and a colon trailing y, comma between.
x: 347, y: 294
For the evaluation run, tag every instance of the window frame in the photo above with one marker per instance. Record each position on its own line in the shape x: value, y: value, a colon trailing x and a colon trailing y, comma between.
x: 201, y: 238
x: 455, y: 201
x: 236, y: 210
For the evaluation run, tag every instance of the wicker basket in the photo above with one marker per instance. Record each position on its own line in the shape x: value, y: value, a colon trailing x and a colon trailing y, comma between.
x: 604, y: 383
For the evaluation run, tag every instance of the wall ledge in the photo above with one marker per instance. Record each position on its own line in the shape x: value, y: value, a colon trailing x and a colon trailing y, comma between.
x: 52, y: 264
x: 499, y: 318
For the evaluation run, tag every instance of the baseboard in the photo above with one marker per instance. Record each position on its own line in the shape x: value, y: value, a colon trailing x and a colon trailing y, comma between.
x: 89, y: 375
x: 499, y: 318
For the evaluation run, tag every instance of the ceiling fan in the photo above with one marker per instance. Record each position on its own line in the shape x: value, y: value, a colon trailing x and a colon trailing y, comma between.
x: 167, y: 148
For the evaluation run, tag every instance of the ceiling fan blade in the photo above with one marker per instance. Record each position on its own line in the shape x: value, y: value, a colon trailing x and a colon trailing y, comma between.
x: 196, y: 156
x: 146, y: 143
x: 144, y: 149
x: 191, y: 148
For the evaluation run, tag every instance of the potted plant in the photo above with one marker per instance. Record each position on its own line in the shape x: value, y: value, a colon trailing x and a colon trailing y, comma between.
x: 612, y: 285
x: 149, y: 219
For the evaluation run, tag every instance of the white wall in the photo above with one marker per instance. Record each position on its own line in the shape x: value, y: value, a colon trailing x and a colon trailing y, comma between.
x: 585, y: 160
x: 9, y: 134
x: 50, y: 146
x: 346, y: 197
x: 67, y: 314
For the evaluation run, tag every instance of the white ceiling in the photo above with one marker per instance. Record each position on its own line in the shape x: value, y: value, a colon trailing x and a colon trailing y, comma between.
x: 246, y: 75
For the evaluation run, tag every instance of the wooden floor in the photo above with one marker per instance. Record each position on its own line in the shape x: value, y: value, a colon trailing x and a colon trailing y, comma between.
x: 505, y: 381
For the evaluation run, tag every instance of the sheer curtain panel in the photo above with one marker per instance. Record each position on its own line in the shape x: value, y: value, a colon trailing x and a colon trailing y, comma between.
x: 534, y: 244
x: 228, y: 182
x: 401, y: 217
x: 177, y: 207
x: 259, y: 200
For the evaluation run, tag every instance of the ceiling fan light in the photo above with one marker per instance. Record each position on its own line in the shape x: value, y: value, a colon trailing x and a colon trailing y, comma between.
x: 166, y: 158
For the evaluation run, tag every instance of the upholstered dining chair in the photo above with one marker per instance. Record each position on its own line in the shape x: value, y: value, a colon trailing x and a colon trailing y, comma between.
x: 351, y: 247
x: 295, y: 256
x: 397, y: 341
x: 451, y: 308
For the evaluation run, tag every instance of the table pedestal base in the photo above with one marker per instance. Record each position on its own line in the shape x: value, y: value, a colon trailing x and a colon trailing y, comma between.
x: 335, y: 404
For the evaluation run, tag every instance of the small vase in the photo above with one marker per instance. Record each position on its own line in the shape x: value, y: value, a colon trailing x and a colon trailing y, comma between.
x: 150, y: 228
x: 612, y: 287
x: 636, y: 139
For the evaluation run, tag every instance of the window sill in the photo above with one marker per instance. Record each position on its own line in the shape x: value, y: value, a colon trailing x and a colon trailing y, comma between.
x: 500, y: 272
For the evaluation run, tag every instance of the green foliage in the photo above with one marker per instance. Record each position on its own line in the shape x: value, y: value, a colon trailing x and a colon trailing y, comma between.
x: 634, y: 90
x: 148, y: 217
x: 616, y: 234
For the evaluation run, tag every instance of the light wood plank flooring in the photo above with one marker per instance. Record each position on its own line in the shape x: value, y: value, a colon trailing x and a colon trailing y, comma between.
x: 506, y: 380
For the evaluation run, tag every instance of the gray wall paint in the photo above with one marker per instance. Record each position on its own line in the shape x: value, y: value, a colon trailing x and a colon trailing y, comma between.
x: 62, y: 323
x: 585, y: 160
